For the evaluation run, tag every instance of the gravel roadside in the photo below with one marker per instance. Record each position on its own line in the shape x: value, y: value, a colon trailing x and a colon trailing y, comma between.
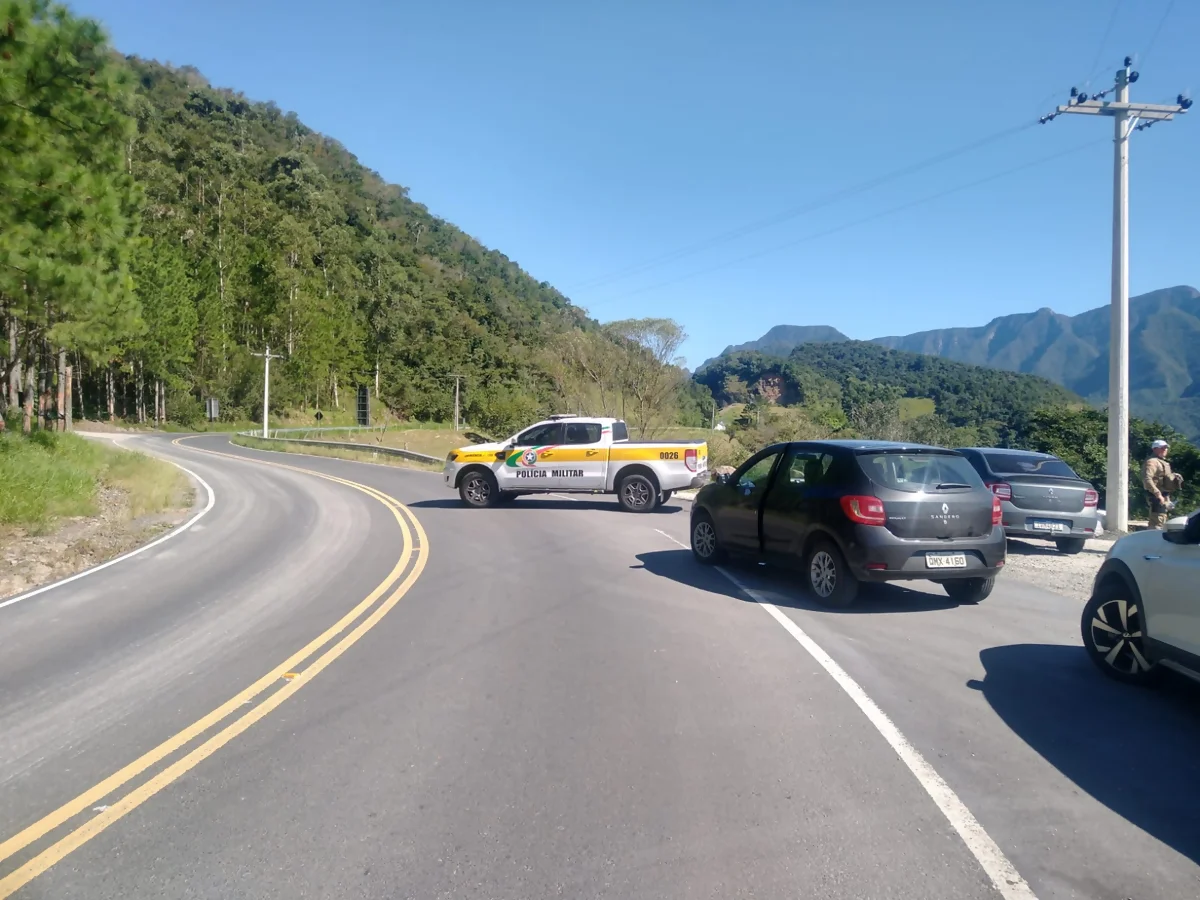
x: 1040, y: 564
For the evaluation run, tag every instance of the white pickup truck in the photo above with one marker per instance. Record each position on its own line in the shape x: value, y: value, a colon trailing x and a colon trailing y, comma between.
x: 574, y: 454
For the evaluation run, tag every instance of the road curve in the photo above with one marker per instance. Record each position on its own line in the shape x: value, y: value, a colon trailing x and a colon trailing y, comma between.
x: 564, y: 704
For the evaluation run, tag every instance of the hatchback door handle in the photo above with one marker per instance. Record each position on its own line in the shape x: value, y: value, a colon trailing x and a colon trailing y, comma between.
x: 1151, y: 557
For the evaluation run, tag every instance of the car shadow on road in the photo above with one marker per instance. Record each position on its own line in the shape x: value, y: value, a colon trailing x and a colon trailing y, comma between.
x: 783, y: 587
x: 543, y: 503
x: 1132, y: 749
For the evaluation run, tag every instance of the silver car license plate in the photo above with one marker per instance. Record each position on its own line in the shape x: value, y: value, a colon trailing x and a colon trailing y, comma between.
x: 1048, y: 525
x: 945, y: 560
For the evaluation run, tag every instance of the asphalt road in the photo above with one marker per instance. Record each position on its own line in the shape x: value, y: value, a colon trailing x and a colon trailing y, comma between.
x: 551, y: 699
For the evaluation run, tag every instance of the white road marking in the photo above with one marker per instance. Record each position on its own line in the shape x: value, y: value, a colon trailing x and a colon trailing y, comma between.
x: 175, y: 532
x: 1002, y: 873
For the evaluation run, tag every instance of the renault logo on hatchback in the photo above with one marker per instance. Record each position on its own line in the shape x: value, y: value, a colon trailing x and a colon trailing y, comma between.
x: 945, y: 508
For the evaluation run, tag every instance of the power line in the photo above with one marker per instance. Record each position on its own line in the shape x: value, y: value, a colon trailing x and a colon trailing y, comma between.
x: 866, y: 219
x: 792, y: 213
x: 1112, y: 18
x: 1157, y: 31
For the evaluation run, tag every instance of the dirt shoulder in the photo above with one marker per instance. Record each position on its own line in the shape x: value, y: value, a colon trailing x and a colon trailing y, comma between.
x: 123, y: 515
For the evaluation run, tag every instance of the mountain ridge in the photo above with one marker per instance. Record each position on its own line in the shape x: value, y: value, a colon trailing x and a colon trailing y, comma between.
x: 1069, y: 350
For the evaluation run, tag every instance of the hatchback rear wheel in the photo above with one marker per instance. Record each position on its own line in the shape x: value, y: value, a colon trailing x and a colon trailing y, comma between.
x: 969, y: 590
x: 829, y: 578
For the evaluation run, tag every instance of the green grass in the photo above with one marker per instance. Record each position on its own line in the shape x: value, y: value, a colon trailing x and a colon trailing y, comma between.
x: 364, y: 455
x: 915, y: 407
x: 47, y: 476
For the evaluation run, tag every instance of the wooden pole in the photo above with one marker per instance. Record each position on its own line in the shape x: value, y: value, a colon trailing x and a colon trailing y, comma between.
x: 68, y: 423
x: 60, y: 404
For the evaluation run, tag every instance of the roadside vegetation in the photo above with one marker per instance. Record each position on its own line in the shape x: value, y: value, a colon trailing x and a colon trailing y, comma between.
x: 46, y: 477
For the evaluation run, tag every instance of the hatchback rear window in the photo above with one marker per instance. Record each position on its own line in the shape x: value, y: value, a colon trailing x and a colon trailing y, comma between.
x: 1028, y: 464
x: 917, y: 472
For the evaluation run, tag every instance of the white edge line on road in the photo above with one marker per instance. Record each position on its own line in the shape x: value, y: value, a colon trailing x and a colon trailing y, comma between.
x: 212, y: 499
x: 1002, y: 873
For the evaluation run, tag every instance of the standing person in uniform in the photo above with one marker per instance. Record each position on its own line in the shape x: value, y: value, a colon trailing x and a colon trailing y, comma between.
x: 1160, y: 482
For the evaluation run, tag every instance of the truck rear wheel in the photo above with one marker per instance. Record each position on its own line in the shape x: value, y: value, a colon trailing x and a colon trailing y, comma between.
x: 636, y: 493
x: 478, y: 488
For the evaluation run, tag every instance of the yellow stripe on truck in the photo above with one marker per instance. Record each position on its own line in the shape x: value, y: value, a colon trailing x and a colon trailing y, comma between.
x: 618, y: 453
x: 660, y: 451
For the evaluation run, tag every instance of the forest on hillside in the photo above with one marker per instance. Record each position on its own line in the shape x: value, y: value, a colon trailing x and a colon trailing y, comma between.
x: 995, y: 405
x: 157, y: 232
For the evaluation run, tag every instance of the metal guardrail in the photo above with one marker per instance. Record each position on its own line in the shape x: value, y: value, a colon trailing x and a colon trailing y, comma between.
x: 273, y: 435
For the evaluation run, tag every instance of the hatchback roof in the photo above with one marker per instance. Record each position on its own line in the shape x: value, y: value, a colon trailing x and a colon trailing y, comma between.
x: 1010, y: 451
x: 876, y: 445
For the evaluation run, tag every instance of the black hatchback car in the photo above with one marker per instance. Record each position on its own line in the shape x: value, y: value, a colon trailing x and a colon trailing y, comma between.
x: 844, y: 512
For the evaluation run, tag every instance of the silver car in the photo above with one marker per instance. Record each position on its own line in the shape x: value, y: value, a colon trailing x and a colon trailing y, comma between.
x: 1040, y: 495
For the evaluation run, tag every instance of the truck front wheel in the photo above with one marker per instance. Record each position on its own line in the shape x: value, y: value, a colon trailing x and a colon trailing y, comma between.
x: 636, y: 493
x: 478, y: 488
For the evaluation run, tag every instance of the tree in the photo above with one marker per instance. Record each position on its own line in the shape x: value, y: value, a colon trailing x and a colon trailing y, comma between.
x: 652, y: 374
x: 68, y: 207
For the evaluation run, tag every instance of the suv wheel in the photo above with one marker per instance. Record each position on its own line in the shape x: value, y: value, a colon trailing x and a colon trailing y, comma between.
x: 969, y: 590
x: 637, y: 494
x: 1070, y: 545
x: 829, y: 579
x: 478, y: 489
x: 705, y: 545
x: 1113, y: 635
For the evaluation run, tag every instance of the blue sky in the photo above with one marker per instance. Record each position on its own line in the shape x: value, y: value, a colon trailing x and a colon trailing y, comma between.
x: 586, y: 139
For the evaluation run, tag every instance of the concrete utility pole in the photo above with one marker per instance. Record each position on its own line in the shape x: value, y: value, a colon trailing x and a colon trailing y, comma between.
x: 266, y: 358
x: 456, y: 378
x: 1127, y: 117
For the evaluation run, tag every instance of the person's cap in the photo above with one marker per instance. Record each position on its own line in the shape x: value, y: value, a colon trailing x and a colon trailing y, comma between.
x: 1159, y: 444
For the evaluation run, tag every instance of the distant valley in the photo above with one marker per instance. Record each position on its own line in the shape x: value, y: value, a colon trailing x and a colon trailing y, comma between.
x: 1164, y: 359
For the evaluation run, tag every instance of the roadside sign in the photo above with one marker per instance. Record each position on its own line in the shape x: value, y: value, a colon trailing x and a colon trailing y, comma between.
x: 364, y: 405
x: 212, y: 409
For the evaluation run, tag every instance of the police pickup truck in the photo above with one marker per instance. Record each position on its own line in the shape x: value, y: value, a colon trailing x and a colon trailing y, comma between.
x: 574, y: 454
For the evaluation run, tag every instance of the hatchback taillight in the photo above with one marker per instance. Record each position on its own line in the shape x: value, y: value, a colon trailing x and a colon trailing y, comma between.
x: 1091, y: 498
x: 1001, y: 489
x: 997, y: 511
x: 864, y: 510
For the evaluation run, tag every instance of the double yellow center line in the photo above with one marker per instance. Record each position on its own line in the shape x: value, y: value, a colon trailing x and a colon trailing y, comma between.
x: 287, y: 678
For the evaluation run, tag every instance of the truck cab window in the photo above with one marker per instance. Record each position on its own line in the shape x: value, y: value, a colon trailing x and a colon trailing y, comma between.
x: 583, y: 433
x: 550, y: 433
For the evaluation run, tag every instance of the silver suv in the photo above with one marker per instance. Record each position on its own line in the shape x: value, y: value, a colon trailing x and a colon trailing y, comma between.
x: 1040, y: 495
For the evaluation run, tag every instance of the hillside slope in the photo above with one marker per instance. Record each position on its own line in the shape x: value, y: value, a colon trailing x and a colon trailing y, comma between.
x: 854, y: 373
x: 286, y: 239
x: 1164, y: 351
x: 782, y: 339
x: 1069, y: 350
